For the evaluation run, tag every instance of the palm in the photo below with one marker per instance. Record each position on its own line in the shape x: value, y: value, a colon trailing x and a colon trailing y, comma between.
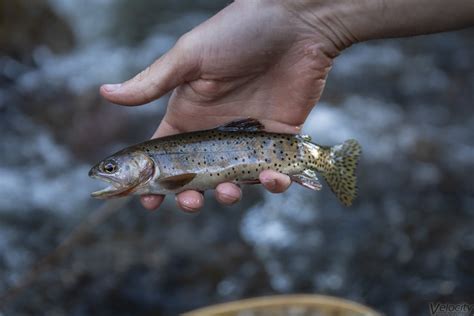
x: 277, y: 79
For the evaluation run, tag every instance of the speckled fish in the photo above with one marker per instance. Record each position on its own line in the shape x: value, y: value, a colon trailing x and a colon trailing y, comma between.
x: 236, y: 152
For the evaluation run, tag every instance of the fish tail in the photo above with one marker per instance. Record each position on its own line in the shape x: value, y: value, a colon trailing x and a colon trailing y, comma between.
x: 338, y: 166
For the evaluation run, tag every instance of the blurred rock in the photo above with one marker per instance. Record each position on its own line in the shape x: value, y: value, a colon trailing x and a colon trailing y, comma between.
x: 25, y: 25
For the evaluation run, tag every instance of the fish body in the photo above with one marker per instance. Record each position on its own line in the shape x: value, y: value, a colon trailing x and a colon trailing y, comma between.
x: 236, y: 152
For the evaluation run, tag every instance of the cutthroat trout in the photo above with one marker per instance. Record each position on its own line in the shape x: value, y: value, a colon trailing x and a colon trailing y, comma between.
x: 236, y: 152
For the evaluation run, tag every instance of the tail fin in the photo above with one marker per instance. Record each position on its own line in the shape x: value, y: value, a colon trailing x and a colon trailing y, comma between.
x: 340, y: 170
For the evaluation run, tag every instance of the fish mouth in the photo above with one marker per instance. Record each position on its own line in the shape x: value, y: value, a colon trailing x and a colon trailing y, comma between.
x: 113, y: 190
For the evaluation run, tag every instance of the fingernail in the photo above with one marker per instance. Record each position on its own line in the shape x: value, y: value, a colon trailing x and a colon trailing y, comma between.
x: 188, y: 204
x: 229, y: 198
x: 269, y: 183
x: 112, y: 87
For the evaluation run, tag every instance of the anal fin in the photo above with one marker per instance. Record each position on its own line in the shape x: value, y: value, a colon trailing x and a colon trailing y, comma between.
x: 307, y: 179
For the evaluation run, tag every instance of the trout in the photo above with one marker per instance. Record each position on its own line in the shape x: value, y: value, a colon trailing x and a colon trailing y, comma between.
x: 235, y: 152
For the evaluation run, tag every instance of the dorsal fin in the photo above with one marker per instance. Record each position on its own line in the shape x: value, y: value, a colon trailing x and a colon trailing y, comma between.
x: 245, y: 125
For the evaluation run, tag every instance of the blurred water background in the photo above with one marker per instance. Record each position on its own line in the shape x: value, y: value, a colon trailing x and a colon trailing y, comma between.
x: 408, y: 240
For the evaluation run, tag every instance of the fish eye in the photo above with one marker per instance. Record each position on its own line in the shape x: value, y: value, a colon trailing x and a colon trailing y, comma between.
x: 109, y: 166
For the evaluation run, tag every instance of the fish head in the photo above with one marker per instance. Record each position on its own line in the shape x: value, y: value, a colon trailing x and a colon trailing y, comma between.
x: 125, y: 172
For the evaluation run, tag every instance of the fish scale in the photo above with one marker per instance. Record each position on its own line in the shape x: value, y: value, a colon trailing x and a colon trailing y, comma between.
x: 239, y: 160
x: 236, y: 152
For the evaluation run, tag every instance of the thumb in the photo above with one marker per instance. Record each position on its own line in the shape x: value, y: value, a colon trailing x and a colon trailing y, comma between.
x: 165, y: 74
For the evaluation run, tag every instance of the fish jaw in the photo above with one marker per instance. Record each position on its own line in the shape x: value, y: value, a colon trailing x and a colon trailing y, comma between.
x: 113, y: 190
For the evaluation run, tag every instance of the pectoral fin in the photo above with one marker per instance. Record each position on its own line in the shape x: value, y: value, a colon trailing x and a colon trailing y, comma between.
x: 307, y: 179
x: 176, y: 182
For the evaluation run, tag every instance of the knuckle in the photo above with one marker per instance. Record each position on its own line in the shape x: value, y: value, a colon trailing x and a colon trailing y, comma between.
x: 142, y: 75
x: 146, y: 95
x: 184, y: 41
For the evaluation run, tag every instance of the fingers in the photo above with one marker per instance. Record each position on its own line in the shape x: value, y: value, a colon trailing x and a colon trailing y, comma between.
x: 190, y: 201
x: 151, y: 201
x: 165, y: 74
x: 274, y: 182
x: 228, y: 193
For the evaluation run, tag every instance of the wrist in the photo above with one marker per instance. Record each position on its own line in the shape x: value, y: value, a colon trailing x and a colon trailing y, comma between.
x: 329, y: 21
x: 346, y: 22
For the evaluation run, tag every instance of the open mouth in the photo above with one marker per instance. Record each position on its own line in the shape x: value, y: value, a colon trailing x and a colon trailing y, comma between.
x: 114, y: 189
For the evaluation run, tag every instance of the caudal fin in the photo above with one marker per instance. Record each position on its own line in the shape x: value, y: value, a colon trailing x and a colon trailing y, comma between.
x: 340, y: 173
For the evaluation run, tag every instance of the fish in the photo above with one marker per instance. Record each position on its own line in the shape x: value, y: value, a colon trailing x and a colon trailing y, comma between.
x: 234, y: 152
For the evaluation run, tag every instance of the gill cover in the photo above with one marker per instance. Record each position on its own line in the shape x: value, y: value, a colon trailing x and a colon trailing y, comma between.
x: 130, y: 172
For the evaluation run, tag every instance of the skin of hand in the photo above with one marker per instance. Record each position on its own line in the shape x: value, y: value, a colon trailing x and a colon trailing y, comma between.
x: 265, y: 59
